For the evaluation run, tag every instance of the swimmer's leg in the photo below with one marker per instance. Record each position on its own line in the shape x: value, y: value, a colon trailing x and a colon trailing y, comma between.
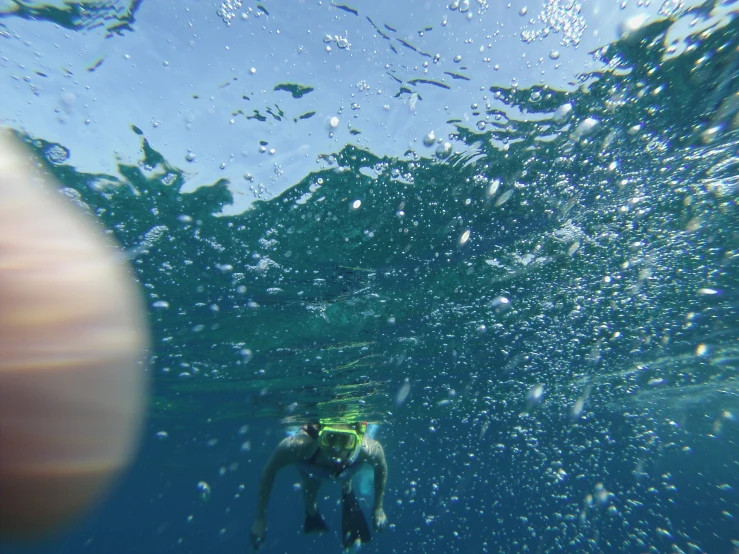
x: 314, y: 522
x: 354, y: 528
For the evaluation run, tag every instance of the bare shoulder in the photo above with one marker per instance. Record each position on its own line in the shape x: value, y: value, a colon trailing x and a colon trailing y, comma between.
x: 299, y: 446
x: 291, y: 450
x: 372, y: 450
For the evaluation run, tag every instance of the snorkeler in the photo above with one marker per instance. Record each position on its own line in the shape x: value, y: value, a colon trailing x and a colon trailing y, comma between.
x: 323, y: 451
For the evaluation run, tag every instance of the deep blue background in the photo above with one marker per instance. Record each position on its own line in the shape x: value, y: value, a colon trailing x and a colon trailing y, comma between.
x: 482, y: 502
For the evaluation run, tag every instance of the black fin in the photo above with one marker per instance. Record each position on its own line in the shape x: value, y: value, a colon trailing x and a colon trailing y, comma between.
x: 315, y: 524
x: 353, y: 525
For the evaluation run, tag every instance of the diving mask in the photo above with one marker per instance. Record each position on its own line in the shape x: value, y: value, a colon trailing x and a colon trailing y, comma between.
x: 339, y: 439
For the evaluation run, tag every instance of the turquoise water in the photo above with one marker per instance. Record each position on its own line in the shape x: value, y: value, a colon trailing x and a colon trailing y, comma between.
x: 541, y: 316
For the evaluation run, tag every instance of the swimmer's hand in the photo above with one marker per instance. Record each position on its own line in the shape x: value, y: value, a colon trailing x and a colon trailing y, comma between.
x: 258, y: 533
x: 380, y: 519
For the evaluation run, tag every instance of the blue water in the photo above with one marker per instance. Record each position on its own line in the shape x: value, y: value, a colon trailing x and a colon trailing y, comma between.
x: 537, y: 305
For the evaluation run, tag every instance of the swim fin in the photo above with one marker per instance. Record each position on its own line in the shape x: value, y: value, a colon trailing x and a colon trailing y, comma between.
x: 315, y: 524
x: 353, y: 525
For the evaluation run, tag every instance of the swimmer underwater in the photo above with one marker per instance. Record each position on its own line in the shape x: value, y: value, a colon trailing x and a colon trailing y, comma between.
x: 323, y: 451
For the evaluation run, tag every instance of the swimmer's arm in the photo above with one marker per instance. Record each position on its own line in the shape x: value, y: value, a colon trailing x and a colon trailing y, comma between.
x: 376, y: 457
x: 290, y: 451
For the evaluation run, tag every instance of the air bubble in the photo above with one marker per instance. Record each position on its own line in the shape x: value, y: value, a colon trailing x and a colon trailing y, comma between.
x: 629, y: 28
x: 403, y: 393
x: 69, y: 99
x: 585, y: 128
x: 204, y: 490
x: 535, y: 394
x: 343, y: 43
x: 562, y: 113
x: 503, y: 198
x: 444, y: 150
x: 707, y: 291
x: 57, y: 154
x: 493, y: 188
